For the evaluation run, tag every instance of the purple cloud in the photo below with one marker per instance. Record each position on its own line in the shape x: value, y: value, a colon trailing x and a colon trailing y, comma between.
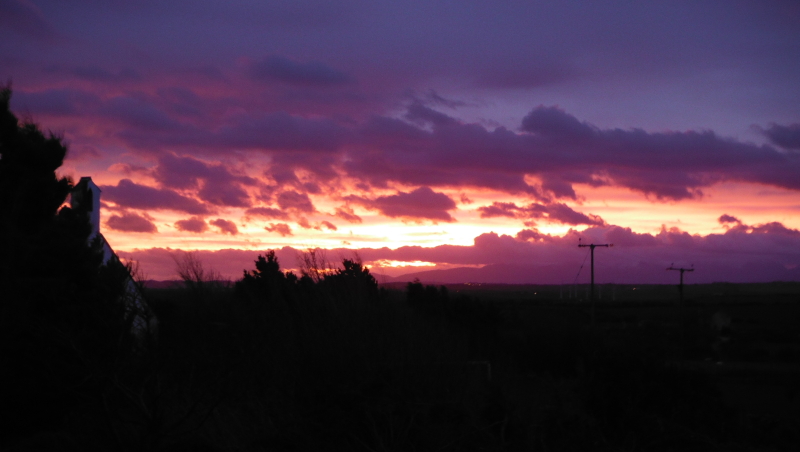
x: 218, y: 185
x: 57, y: 102
x: 283, y: 70
x: 420, y: 204
x: 787, y: 137
x: 130, y: 194
x: 25, y: 18
x: 131, y: 222
x: 98, y: 74
x: 140, y: 115
x: 726, y: 219
x: 557, y: 212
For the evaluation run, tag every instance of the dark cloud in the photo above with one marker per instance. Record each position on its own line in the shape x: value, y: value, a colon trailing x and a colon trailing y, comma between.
x: 193, y: 224
x: 787, y: 137
x: 277, y: 131
x: 98, y: 74
x: 433, y: 98
x: 57, y: 102
x: 556, y: 212
x: 131, y: 222
x: 562, y: 151
x: 284, y: 70
x: 25, y: 18
x: 725, y: 219
x: 141, y: 115
x: 420, y: 114
x: 281, y: 228
x: 225, y: 226
x: 230, y: 195
x: 219, y: 185
x: 130, y: 194
x: 292, y: 200
x: 180, y: 172
x: 420, y: 204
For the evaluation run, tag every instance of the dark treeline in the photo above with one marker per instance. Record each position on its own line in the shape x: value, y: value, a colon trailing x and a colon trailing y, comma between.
x: 323, y: 360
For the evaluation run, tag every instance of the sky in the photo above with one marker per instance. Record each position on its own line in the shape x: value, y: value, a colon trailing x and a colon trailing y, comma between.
x: 428, y: 135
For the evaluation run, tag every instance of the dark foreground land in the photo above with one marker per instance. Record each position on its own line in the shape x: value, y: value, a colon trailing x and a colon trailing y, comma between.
x: 468, y: 367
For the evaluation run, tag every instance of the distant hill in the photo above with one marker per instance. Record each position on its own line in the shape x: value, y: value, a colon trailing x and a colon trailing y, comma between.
x: 492, y: 274
x: 636, y: 273
x: 173, y: 284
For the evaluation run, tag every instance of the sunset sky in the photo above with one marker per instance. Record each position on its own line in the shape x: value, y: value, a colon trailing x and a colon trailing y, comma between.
x: 428, y: 135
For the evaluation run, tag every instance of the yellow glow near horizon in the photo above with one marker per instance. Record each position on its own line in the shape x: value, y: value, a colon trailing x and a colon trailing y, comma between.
x: 395, y: 264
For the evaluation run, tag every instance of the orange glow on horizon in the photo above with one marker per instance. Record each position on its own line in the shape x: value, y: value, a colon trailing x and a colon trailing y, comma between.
x: 751, y: 204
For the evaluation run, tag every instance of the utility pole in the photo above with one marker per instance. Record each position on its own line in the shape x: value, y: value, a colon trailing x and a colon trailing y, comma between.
x: 681, y: 316
x: 591, y: 248
x: 680, y: 287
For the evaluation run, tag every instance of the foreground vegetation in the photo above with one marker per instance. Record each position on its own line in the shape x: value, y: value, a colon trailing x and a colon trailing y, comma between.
x: 329, y: 361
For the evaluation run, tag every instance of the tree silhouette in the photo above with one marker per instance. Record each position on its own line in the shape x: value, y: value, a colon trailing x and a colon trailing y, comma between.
x: 266, y: 282
x: 353, y: 280
x: 62, y: 321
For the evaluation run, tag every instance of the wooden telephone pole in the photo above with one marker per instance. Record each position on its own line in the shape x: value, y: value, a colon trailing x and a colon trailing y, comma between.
x: 681, y: 316
x: 680, y: 287
x: 591, y: 248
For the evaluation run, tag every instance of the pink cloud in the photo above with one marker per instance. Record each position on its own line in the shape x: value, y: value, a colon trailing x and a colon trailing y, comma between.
x: 193, y: 224
x: 266, y: 212
x: 327, y: 225
x: 281, y: 228
x: 131, y: 222
x: 225, y: 226
x: 346, y: 213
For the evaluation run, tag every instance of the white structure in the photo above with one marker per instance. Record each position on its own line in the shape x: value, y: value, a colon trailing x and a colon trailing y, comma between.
x: 85, y: 197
